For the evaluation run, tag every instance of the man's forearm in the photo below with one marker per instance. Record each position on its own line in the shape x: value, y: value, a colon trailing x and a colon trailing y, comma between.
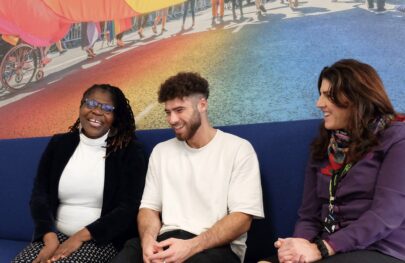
x: 224, y: 231
x: 148, y: 223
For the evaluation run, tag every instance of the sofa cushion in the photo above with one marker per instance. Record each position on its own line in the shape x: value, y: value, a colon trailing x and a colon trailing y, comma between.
x: 19, y: 159
x: 282, y: 149
x: 10, y: 248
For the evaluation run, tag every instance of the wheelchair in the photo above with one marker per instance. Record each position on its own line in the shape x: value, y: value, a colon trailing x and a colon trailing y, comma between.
x: 19, y: 65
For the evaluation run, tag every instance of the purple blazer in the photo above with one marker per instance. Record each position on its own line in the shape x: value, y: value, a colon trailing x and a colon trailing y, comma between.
x: 371, y: 200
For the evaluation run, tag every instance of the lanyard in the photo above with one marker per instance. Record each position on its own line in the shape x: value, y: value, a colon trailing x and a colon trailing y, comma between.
x: 334, y: 181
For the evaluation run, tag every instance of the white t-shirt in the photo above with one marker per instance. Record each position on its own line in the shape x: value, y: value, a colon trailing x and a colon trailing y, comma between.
x: 195, y: 188
x: 81, y: 186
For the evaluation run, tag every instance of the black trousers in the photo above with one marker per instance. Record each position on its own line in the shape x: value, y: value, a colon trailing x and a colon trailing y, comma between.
x: 141, y: 20
x: 360, y: 256
x: 380, y: 4
x: 192, y: 8
x: 234, y: 7
x: 132, y: 251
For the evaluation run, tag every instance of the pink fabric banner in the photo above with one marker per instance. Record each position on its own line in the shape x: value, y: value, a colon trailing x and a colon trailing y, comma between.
x: 122, y: 25
x: 32, y: 21
x: 43, y: 22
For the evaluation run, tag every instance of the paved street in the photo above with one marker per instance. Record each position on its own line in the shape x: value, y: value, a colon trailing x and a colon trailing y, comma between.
x: 261, y: 69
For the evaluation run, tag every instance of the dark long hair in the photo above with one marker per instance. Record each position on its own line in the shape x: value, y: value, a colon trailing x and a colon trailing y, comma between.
x: 360, y: 85
x: 122, y: 130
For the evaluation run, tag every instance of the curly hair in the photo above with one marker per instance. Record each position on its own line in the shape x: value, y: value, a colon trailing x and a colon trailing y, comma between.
x: 122, y: 130
x: 358, y: 87
x: 183, y: 85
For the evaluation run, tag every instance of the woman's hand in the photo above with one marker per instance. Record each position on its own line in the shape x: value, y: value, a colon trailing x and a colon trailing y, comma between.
x: 296, y: 250
x: 72, y: 244
x: 51, y: 243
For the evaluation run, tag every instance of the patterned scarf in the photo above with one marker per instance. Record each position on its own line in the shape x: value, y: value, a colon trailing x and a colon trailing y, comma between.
x: 340, y: 140
x: 400, y: 118
x: 337, y: 150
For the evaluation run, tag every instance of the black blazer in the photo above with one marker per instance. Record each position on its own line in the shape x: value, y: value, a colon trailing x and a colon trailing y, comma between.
x: 125, y: 172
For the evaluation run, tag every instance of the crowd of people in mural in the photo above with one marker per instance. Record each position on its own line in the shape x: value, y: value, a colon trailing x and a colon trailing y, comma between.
x: 112, y: 33
x: 107, y: 31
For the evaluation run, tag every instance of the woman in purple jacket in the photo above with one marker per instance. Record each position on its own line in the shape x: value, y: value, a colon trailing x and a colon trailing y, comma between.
x: 354, y: 192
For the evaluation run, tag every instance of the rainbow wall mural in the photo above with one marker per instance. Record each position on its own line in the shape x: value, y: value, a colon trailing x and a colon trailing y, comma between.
x: 261, y: 68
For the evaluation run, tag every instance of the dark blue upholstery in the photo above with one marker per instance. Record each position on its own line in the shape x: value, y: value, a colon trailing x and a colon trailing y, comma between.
x: 9, y: 248
x: 282, y: 149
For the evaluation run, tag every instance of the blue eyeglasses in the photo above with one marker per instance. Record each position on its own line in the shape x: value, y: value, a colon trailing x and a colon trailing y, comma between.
x: 92, y: 104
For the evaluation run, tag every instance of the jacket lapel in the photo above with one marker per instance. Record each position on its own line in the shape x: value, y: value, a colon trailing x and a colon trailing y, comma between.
x: 109, y: 180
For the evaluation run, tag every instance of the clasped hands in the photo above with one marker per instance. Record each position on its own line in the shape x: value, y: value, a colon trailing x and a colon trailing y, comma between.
x: 53, y: 250
x: 296, y: 250
x: 169, y: 250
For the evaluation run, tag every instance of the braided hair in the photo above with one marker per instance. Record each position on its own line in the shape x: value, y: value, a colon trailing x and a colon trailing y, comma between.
x: 122, y: 130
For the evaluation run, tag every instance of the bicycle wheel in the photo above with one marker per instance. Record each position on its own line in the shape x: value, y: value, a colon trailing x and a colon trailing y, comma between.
x: 18, y: 67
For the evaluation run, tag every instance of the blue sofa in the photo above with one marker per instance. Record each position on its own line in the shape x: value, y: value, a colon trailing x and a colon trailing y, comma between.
x: 282, y: 149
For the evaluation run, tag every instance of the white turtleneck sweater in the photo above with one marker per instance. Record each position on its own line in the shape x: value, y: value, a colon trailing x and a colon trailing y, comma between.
x: 81, y: 186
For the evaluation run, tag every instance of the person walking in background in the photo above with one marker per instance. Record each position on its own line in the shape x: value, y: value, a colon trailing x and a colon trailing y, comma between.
x: 118, y: 38
x: 380, y: 5
x: 215, y: 14
x: 59, y: 47
x: 240, y: 4
x: 90, y: 32
x: 188, y: 3
x: 294, y: 3
x: 120, y: 27
x: 260, y: 9
x: 44, y: 55
x: 161, y: 15
x: 89, y: 184
x: 400, y: 8
x: 108, y: 32
x: 141, y: 21
x: 45, y: 51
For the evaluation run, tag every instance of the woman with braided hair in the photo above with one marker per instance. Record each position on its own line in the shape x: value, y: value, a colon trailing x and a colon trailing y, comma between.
x: 89, y: 184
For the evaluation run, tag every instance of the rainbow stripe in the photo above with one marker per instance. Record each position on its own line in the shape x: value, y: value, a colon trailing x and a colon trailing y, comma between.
x: 138, y: 72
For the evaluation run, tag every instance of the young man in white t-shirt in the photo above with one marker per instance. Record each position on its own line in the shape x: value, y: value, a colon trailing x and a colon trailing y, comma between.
x: 202, y: 188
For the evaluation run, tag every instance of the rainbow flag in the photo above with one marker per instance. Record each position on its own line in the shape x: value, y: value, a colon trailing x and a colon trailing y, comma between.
x: 122, y: 25
x: 147, y: 6
x: 43, y: 22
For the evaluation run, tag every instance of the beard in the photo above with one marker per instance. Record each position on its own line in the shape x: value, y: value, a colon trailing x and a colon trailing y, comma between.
x: 190, y: 128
